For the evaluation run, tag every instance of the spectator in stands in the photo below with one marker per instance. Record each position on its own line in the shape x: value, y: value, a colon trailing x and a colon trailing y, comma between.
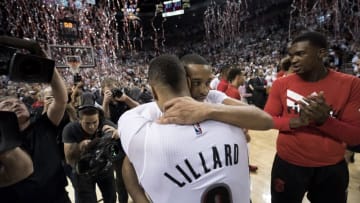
x: 258, y: 87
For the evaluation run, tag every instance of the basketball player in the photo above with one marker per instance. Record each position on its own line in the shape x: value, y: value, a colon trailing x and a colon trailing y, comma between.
x: 315, y: 122
x: 199, y: 76
x: 205, y: 167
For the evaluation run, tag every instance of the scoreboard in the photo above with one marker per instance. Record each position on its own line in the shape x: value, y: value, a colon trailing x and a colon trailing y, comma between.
x: 173, y: 7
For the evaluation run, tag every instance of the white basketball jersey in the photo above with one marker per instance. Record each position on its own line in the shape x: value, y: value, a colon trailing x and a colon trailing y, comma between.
x: 215, y: 97
x: 206, y: 162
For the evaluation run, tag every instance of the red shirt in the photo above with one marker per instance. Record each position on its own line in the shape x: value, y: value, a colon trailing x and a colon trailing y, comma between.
x: 323, y: 145
x: 280, y: 74
x: 233, y: 92
x: 223, y: 85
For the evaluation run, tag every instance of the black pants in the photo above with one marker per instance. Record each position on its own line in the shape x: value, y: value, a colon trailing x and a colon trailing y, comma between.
x: 120, y: 185
x: 289, y: 183
x: 86, y: 191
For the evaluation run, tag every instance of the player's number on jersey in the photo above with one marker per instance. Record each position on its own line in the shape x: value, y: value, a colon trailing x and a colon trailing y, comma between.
x: 219, y: 193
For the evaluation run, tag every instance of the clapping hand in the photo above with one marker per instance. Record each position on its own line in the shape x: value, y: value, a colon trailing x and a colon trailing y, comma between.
x: 315, y: 108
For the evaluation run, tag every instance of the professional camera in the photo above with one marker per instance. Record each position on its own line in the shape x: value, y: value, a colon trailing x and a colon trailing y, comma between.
x: 116, y: 92
x: 20, y: 65
x: 102, y: 152
x: 77, y: 78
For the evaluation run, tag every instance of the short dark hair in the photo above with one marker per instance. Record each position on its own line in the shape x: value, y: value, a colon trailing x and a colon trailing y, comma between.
x: 88, y: 111
x: 233, y: 73
x: 225, y: 69
x: 285, y: 63
x: 168, y: 70
x: 194, y: 59
x: 315, y: 38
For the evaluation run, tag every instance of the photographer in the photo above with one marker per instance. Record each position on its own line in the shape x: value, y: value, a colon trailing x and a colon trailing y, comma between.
x: 32, y: 171
x: 115, y: 103
x: 79, y: 138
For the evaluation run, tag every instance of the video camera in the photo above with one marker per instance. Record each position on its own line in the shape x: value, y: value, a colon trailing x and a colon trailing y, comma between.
x: 9, y: 131
x: 24, y: 67
x: 98, y: 159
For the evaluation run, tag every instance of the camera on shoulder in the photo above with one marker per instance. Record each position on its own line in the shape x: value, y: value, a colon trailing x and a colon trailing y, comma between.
x: 21, y: 66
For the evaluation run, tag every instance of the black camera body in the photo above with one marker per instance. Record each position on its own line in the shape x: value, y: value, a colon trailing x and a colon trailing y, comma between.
x: 116, y: 92
x: 98, y: 159
x: 21, y: 67
x: 77, y: 78
x: 10, y: 137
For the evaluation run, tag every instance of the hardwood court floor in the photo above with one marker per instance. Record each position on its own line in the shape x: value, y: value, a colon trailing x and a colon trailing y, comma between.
x: 262, y: 151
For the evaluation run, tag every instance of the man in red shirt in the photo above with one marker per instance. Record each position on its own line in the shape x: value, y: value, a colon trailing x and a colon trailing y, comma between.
x: 235, y: 79
x: 315, y: 122
x: 223, y: 84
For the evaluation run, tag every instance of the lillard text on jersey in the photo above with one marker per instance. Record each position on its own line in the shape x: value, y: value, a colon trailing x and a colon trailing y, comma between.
x: 186, y: 172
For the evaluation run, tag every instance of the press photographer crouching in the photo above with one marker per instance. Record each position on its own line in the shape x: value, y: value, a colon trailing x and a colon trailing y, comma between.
x: 30, y: 162
x: 91, y: 146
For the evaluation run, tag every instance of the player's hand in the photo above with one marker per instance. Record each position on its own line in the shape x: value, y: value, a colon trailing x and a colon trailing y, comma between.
x: 317, y: 109
x: 183, y: 110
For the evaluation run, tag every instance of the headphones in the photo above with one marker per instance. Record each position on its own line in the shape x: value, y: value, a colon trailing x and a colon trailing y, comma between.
x: 99, y: 111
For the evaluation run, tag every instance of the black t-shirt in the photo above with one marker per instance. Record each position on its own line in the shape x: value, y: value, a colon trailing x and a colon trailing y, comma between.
x: 48, y: 181
x: 116, y: 110
x: 73, y: 133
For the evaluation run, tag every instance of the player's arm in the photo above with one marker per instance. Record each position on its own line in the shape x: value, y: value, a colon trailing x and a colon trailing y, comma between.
x: 275, y: 108
x: 185, y: 110
x: 132, y: 184
x: 234, y: 102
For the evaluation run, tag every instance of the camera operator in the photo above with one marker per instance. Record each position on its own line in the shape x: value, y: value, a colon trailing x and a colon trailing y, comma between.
x: 115, y: 103
x: 32, y: 172
x: 78, y: 137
